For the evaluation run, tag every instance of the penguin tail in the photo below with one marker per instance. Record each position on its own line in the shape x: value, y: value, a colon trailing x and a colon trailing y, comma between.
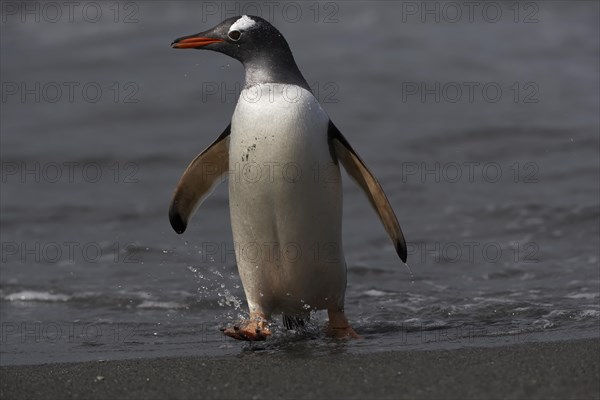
x: 292, y: 322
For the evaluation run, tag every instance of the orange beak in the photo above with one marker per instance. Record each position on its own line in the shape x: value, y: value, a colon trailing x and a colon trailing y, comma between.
x: 194, y: 42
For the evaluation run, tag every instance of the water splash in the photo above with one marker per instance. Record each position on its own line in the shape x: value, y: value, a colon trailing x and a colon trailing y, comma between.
x: 215, y: 285
x: 227, y: 299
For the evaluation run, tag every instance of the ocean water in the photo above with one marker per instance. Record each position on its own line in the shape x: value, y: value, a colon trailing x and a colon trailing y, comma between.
x: 482, y: 126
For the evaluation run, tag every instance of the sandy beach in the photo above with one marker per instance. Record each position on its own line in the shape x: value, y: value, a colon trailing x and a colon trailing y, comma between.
x: 565, y: 370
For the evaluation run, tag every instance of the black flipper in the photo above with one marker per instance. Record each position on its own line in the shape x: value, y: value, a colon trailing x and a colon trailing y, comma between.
x: 357, y: 169
x: 199, y: 180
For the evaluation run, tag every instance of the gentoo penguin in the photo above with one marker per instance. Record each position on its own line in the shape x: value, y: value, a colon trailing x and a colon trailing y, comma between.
x: 281, y: 153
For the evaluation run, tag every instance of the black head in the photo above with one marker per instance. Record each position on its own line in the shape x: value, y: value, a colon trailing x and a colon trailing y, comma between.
x: 243, y: 38
x: 253, y: 41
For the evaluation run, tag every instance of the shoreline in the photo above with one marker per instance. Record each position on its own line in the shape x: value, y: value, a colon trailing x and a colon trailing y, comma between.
x: 562, y: 369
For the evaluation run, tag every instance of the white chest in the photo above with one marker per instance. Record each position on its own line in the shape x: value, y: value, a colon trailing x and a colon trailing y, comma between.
x: 284, y: 194
x: 274, y: 125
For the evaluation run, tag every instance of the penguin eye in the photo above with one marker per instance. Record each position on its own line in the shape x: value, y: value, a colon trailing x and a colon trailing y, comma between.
x: 234, y: 35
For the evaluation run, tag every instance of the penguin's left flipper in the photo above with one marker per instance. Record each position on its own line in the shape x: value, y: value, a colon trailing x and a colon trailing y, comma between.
x: 357, y: 169
x: 199, y: 180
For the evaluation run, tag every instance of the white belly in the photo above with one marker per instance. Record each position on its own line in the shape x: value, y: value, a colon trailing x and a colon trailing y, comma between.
x: 285, y: 202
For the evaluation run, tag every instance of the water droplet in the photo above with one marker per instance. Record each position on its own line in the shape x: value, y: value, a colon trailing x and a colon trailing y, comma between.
x: 412, y: 276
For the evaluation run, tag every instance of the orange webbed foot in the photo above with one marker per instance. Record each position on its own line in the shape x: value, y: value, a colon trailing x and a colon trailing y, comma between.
x: 342, y: 333
x: 253, y: 329
x: 339, y: 327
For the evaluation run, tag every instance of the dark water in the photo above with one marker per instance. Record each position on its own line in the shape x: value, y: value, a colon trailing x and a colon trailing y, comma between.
x: 483, y: 128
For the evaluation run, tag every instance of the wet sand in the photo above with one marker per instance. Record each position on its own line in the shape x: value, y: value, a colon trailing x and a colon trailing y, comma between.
x: 565, y: 370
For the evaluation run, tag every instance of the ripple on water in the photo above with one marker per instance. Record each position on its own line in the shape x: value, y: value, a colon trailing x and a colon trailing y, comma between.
x: 31, y: 295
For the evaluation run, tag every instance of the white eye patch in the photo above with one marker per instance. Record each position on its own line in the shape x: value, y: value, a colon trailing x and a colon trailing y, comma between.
x: 242, y: 24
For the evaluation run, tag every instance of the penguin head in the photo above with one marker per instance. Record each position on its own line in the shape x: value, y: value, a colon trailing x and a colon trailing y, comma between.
x: 253, y: 41
x: 245, y: 38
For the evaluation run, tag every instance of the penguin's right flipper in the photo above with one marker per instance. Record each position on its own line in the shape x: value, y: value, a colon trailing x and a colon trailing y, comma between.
x: 357, y: 169
x: 199, y: 180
